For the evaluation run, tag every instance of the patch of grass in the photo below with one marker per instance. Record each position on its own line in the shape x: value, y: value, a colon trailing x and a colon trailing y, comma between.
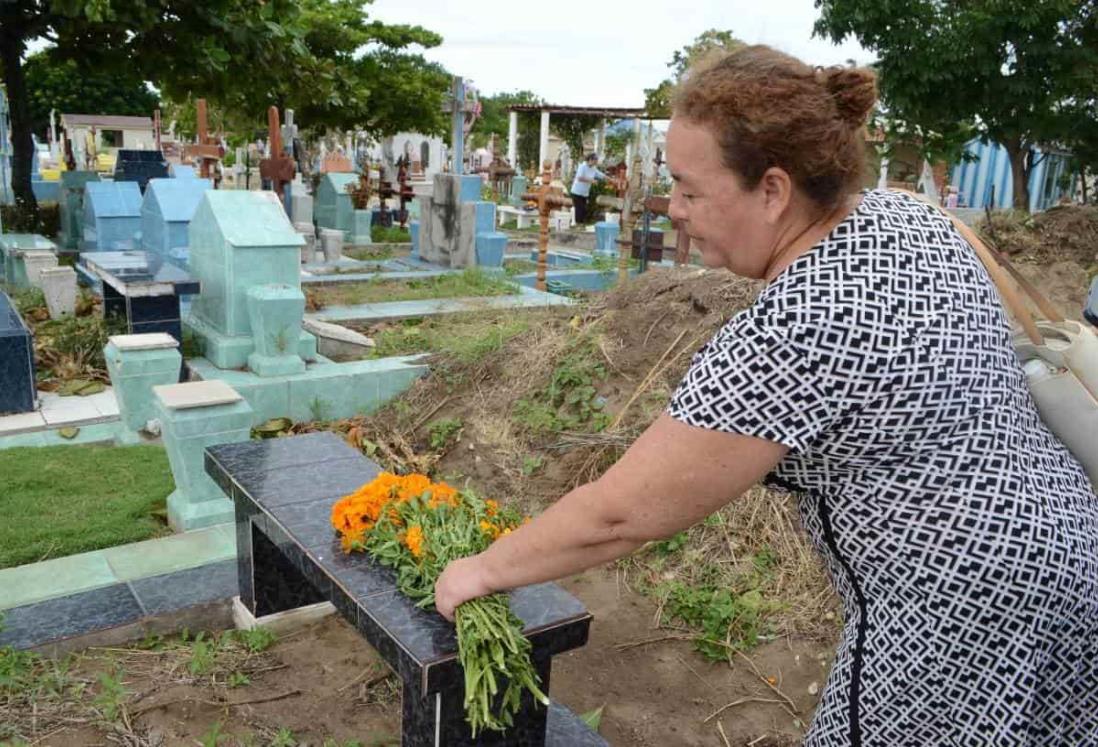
x: 472, y: 282
x: 467, y: 337
x: 370, y: 253
x: 519, y: 266
x: 61, y: 500
x: 605, y: 263
x: 390, y: 235
x: 570, y: 401
x: 442, y: 432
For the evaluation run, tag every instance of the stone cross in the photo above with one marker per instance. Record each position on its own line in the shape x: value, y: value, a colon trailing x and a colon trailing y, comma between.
x: 278, y: 167
x: 455, y: 107
x: 547, y: 199
x: 206, y: 150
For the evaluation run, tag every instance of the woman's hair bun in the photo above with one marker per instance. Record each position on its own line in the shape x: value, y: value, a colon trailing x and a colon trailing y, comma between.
x: 854, y: 90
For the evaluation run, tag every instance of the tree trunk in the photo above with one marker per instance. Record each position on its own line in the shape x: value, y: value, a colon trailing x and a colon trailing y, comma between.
x: 11, y: 57
x: 1083, y: 178
x: 1019, y: 171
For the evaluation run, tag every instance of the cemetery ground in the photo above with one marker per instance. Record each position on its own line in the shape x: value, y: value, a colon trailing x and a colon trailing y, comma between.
x: 720, y: 635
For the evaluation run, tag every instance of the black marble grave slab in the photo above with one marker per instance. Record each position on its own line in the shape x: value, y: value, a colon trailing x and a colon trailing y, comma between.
x: 56, y: 619
x: 140, y: 166
x: 17, y: 389
x: 141, y: 287
x: 178, y: 590
x: 288, y: 556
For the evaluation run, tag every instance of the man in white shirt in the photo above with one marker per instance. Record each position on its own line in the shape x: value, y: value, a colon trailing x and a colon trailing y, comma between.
x: 586, y: 175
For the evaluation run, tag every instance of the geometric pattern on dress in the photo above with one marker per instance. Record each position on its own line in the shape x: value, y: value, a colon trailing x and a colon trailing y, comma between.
x: 960, y: 534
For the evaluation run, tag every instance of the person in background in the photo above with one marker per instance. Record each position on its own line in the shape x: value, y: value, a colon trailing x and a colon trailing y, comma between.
x: 586, y: 175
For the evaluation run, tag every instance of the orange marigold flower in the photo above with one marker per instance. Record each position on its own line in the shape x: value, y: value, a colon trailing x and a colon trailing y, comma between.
x: 491, y: 507
x: 413, y: 540
x: 489, y: 528
x: 442, y: 493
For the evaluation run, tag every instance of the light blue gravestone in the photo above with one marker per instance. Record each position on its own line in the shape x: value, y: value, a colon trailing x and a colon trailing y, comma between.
x: 193, y: 416
x: 72, y: 207
x: 333, y: 208
x: 362, y: 221
x: 240, y: 240
x: 180, y: 171
x: 166, y: 214
x: 518, y: 189
x: 112, y: 217
x: 137, y: 363
x: 606, y: 238
x: 276, y: 312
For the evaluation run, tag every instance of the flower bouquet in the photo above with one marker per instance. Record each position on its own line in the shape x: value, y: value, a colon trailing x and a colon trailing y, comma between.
x: 416, y: 527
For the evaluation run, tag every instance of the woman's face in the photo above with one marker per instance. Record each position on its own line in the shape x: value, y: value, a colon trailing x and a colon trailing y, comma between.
x: 732, y: 227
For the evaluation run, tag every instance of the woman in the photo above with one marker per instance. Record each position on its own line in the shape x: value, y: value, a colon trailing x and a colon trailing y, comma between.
x: 875, y: 376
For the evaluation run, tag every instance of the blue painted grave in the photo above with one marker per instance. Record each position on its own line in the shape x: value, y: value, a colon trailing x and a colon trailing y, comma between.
x: 166, y: 214
x: 112, y: 217
x: 333, y: 207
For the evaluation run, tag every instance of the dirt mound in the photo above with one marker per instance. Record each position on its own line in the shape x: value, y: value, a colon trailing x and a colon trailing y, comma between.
x: 1057, y: 250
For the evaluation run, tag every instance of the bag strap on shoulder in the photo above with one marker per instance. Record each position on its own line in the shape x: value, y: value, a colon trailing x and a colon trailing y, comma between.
x: 995, y: 263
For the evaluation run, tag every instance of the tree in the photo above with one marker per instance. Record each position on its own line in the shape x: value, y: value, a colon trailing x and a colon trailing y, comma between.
x: 241, y: 55
x: 1008, y: 66
x: 68, y: 87
x: 657, y: 101
x: 495, y: 120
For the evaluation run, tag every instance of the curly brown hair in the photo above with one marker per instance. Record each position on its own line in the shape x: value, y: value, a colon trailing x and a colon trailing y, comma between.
x: 770, y: 109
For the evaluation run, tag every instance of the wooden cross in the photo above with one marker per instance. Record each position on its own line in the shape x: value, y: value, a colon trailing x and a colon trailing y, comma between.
x: 278, y: 167
x: 547, y: 198
x: 207, y: 150
x: 662, y: 206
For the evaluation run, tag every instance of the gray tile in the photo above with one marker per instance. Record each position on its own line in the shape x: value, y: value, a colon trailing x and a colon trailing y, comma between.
x: 174, y: 591
x: 65, y: 617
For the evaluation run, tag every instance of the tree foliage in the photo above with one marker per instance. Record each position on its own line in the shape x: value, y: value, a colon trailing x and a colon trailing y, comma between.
x: 324, y: 58
x: 657, y: 100
x: 1009, y: 67
x: 494, y: 120
x: 72, y: 88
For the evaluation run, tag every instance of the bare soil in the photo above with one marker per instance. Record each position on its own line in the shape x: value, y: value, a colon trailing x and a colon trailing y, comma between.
x: 326, y: 683
x: 1057, y: 250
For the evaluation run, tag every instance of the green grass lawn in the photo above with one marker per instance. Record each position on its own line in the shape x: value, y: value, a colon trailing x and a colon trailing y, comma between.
x: 62, y: 500
x: 471, y: 282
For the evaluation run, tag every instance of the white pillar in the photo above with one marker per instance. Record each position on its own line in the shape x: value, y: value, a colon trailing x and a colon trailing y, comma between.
x: 512, y: 139
x: 543, y: 143
x: 602, y: 139
x: 882, y: 179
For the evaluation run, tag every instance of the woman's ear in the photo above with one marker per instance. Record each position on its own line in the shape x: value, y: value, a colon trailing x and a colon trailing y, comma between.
x: 776, y: 192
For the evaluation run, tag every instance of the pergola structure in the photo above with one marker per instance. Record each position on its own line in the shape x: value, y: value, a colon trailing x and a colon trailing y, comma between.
x: 549, y: 109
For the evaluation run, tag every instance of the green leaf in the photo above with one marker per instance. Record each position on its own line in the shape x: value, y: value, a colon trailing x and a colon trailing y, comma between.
x: 593, y: 718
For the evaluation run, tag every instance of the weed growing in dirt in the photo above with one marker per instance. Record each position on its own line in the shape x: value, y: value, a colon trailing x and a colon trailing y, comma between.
x: 390, y: 235
x: 531, y: 464
x: 467, y: 337
x: 110, y: 696
x: 519, y: 266
x: 570, y: 401
x: 369, y: 253
x: 443, y: 432
x: 215, y: 736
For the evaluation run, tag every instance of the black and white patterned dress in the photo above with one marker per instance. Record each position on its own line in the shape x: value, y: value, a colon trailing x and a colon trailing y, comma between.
x: 960, y: 534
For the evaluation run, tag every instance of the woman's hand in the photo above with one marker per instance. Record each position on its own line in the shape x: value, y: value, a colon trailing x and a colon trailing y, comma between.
x: 462, y: 580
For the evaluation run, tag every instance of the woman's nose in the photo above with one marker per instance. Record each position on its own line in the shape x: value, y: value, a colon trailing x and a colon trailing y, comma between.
x: 677, y: 209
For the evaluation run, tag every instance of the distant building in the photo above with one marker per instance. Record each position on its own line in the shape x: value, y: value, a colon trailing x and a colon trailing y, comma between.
x: 987, y: 181
x: 108, y: 133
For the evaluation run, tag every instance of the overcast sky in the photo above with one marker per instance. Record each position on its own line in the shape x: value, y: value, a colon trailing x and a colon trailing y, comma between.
x: 598, y: 52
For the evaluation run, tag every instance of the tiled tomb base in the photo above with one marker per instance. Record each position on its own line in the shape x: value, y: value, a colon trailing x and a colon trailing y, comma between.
x: 288, y: 557
x: 323, y: 391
